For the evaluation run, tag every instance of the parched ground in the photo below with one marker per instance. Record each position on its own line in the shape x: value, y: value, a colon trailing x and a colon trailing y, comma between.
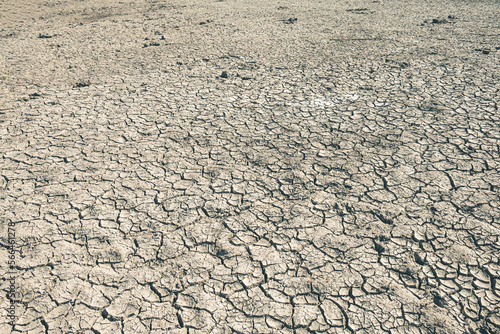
x: 244, y: 166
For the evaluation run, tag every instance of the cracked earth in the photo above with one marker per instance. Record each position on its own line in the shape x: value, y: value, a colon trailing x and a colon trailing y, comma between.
x: 250, y: 166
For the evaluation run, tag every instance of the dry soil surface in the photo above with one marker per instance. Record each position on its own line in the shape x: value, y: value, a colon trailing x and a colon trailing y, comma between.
x: 244, y: 166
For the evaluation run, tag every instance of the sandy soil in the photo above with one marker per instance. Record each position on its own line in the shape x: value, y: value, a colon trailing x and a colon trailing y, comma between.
x: 249, y: 166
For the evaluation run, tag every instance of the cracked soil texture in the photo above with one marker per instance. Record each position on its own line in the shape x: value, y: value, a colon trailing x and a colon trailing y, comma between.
x: 256, y: 166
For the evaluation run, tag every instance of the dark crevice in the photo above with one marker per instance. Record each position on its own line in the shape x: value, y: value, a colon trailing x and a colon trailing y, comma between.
x: 179, y: 320
x: 46, y: 325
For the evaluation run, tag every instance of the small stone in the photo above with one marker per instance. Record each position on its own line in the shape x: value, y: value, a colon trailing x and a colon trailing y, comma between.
x: 224, y: 75
x: 82, y: 84
x: 438, y: 21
